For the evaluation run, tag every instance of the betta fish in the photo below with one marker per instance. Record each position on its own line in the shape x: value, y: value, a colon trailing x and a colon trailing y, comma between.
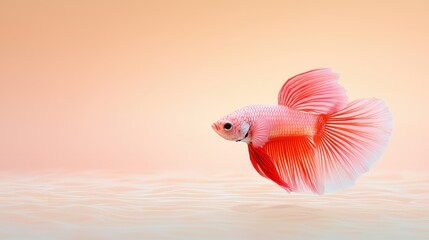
x: 313, y: 140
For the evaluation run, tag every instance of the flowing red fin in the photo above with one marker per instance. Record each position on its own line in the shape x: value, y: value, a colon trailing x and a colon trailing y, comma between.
x: 294, y: 158
x: 315, y: 91
x: 265, y: 167
x: 352, y: 140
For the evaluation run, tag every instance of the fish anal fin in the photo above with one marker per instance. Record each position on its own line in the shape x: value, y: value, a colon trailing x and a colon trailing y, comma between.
x: 295, y: 160
x: 265, y: 167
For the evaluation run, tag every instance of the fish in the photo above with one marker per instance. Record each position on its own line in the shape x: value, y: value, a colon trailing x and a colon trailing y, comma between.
x: 313, y: 140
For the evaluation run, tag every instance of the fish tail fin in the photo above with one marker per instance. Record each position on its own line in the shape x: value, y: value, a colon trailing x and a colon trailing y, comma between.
x: 351, y: 140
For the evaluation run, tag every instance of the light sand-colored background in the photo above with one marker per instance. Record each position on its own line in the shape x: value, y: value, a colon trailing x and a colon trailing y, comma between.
x: 135, y: 85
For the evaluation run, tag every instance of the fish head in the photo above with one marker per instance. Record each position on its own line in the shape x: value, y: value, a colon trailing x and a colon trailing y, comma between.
x: 233, y: 128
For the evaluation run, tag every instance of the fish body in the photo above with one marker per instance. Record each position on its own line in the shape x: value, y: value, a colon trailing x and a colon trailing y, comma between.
x: 313, y: 140
x: 281, y: 120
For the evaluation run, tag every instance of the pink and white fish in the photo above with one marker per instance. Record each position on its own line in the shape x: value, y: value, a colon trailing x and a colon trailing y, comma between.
x: 313, y: 140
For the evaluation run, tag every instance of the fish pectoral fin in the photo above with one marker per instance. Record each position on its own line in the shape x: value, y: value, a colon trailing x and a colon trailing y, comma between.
x: 260, y: 132
x: 294, y: 157
x: 265, y: 166
x: 315, y: 91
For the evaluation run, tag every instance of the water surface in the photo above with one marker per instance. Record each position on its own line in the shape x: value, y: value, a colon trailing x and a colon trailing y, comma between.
x: 99, y: 205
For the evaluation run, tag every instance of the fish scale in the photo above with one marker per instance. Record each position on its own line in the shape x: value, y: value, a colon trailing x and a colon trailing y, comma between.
x: 283, y: 121
x: 313, y: 140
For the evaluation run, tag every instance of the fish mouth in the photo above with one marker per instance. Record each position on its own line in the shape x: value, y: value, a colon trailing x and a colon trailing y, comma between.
x: 245, y: 136
x: 215, y: 127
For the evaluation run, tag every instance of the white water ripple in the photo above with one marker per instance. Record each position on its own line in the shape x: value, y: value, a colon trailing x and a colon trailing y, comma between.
x: 99, y: 205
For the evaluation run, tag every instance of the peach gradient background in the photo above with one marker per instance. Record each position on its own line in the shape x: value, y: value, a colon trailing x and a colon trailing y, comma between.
x: 135, y: 85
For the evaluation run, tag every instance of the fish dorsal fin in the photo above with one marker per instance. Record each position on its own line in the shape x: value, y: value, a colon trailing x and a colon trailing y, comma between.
x: 315, y: 91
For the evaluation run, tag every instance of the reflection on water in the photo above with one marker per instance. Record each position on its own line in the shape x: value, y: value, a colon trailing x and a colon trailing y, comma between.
x: 166, y: 206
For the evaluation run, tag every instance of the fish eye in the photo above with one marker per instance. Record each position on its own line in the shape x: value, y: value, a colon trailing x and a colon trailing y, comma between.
x: 227, y: 126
